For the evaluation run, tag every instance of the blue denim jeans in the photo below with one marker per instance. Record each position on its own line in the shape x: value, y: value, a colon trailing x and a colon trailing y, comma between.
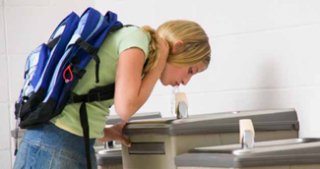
x: 49, y: 147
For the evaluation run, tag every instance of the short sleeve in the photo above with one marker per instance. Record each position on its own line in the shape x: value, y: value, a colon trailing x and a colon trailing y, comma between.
x: 135, y: 37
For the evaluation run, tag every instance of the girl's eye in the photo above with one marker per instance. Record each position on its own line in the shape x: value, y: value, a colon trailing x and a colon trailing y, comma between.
x: 190, y: 71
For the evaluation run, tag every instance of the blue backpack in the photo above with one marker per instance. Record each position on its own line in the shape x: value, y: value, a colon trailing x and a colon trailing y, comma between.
x: 52, y: 70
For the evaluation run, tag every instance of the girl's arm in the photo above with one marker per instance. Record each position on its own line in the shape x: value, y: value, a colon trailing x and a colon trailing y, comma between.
x: 132, y: 91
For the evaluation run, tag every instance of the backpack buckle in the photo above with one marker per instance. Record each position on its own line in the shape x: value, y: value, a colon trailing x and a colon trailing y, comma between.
x: 91, y: 97
x: 74, y: 98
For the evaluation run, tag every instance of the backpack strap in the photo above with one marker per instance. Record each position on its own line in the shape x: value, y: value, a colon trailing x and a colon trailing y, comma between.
x: 85, y: 130
x: 95, y: 94
x: 93, y: 53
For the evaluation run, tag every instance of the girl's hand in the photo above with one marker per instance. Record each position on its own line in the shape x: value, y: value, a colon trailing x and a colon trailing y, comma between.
x: 115, y: 133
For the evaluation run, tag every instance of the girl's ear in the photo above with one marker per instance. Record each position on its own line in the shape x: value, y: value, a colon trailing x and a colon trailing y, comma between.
x: 177, y: 47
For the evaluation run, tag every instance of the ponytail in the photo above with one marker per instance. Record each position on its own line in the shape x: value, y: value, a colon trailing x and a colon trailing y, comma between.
x: 153, y: 50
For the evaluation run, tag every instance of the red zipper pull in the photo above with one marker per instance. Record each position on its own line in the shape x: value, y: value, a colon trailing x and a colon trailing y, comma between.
x: 67, y: 74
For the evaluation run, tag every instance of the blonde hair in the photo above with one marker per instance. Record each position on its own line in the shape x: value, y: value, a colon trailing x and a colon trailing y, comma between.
x: 195, y: 49
x: 153, y: 49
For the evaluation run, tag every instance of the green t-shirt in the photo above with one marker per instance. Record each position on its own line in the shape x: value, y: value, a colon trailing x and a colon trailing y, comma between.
x: 115, y: 43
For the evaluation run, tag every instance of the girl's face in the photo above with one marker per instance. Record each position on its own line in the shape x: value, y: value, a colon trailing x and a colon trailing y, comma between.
x: 175, y: 75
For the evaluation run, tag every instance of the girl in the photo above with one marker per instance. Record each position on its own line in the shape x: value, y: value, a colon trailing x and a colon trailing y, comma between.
x: 134, y: 58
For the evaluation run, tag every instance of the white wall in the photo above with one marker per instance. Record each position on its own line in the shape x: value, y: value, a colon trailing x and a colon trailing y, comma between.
x: 265, y: 53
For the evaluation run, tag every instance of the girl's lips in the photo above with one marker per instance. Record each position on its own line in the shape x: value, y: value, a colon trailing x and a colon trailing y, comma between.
x: 174, y: 84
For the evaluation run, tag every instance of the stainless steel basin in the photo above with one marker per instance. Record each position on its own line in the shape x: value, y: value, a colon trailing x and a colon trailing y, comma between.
x: 114, y: 119
x: 236, y: 148
x: 298, y: 151
x: 109, y: 157
x: 225, y: 122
